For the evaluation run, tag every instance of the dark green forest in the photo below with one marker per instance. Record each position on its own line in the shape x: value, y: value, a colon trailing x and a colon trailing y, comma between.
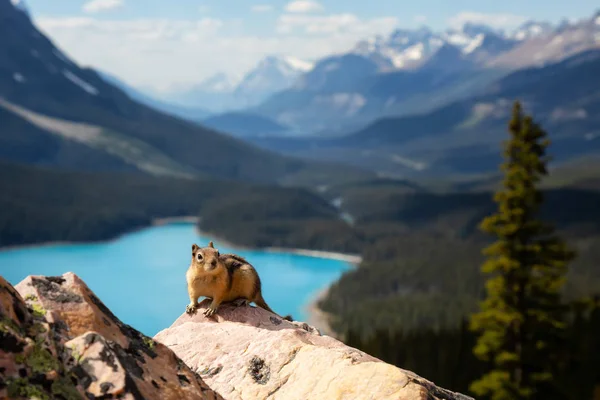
x: 41, y: 205
x: 532, y: 337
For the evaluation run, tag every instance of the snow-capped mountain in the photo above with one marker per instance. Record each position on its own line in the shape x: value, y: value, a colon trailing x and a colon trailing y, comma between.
x: 271, y: 75
x: 406, y: 49
x: 403, y: 49
x: 380, y: 75
x: 222, y: 92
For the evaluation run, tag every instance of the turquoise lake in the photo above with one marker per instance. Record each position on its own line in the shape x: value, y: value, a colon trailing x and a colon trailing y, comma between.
x: 141, y: 276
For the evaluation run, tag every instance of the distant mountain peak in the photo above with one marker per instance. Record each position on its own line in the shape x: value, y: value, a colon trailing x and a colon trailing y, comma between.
x: 285, y: 64
x: 531, y: 29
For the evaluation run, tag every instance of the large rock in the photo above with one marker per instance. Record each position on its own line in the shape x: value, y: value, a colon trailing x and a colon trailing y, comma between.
x: 248, y: 353
x: 58, y: 340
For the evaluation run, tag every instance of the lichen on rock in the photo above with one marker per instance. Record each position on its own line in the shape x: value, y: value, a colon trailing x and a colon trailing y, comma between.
x: 52, y: 348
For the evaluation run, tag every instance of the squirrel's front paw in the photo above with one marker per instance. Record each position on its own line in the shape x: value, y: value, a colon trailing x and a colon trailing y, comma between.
x: 190, y: 309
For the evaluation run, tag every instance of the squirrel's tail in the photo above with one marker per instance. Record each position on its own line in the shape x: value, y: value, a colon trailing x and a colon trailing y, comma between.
x: 260, y: 301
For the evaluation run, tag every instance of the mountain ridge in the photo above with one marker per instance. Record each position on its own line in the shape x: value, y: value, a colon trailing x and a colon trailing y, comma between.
x: 489, y: 52
x: 462, y: 137
x: 36, y: 76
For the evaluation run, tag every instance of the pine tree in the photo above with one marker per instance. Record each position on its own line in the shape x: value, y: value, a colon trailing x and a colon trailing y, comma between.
x: 522, y: 319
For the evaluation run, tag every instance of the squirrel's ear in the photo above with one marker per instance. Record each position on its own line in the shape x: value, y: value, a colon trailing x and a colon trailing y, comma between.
x: 211, y: 245
x: 195, y: 247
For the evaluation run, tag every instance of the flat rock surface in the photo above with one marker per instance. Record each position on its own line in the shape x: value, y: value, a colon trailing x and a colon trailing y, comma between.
x: 248, y: 353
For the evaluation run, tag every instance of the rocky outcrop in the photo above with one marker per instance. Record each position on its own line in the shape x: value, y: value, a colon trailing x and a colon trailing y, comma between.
x: 58, y: 340
x: 249, y: 353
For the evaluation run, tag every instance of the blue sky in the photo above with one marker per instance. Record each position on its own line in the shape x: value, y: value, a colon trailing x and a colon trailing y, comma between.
x: 164, y: 44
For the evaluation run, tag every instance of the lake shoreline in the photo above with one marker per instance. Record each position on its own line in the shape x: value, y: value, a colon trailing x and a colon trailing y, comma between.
x: 315, y: 316
x: 353, y: 259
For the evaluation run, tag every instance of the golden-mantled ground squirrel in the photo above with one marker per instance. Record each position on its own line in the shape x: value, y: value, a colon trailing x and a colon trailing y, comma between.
x: 223, y: 278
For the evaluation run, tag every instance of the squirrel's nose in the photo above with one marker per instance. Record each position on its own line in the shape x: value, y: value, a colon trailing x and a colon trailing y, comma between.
x: 214, y: 263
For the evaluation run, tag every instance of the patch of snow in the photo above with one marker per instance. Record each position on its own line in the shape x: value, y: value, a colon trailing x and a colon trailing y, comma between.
x: 458, y: 38
x: 80, y: 82
x: 535, y: 30
x: 18, y: 77
x: 597, y: 20
x: 298, y: 64
x: 520, y: 35
x: 399, y: 58
x: 528, y: 31
x: 414, y: 52
x: 475, y: 43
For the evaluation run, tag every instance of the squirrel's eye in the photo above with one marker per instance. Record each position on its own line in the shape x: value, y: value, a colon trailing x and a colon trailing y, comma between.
x: 199, y: 257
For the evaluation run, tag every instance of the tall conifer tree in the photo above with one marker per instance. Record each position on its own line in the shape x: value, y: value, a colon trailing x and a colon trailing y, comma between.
x: 522, y: 319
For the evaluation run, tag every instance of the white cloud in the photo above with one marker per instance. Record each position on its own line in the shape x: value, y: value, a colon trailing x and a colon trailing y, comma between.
x: 420, y: 19
x: 95, y: 6
x: 165, y: 53
x: 493, y: 20
x: 333, y: 24
x: 303, y: 6
x: 261, y: 8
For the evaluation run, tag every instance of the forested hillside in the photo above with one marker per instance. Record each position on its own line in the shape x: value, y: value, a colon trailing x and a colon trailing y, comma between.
x: 416, y: 299
x: 44, y: 205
